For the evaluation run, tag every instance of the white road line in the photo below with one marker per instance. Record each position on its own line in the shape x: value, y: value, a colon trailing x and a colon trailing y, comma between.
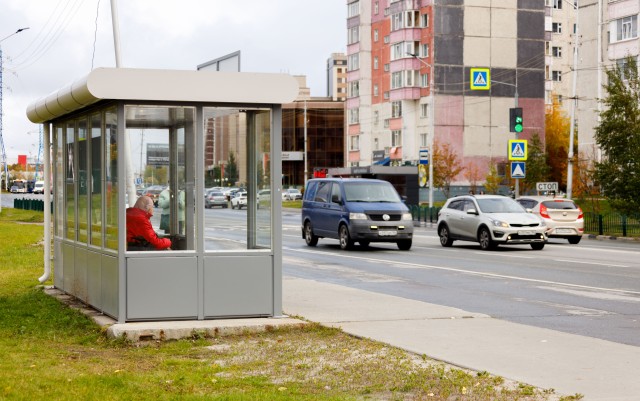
x: 463, y: 271
x: 589, y: 263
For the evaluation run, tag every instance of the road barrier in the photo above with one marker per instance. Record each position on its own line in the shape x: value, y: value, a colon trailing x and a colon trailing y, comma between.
x: 424, y: 214
x: 614, y: 224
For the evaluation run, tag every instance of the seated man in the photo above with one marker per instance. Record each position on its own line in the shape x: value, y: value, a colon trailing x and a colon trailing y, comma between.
x: 140, y: 234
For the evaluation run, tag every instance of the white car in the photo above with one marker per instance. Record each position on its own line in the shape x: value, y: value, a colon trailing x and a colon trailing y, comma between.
x: 291, y: 194
x: 239, y: 200
x: 564, y: 219
x: 490, y: 220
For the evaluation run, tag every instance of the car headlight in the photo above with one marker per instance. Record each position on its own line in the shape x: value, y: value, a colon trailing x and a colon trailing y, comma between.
x: 407, y: 216
x: 357, y: 216
x: 499, y: 223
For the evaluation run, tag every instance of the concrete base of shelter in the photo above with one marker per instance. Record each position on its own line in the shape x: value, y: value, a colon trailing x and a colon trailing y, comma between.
x: 174, y: 330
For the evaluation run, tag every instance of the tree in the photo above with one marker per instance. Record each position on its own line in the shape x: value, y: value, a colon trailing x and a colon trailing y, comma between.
x: 493, y: 180
x: 537, y: 167
x: 586, y: 186
x: 618, y: 135
x: 557, y: 127
x: 472, y: 174
x: 446, y: 166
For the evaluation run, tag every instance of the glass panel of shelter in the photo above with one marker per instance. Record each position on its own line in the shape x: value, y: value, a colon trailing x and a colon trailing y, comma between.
x: 162, y: 165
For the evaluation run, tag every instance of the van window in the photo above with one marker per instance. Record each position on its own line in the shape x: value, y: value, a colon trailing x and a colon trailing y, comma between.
x: 370, y: 192
x: 324, y: 192
x: 310, y: 191
x: 336, y: 196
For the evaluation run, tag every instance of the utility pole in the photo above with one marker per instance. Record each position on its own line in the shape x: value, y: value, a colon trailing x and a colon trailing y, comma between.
x: 306, y: 163
x: 576, y: 43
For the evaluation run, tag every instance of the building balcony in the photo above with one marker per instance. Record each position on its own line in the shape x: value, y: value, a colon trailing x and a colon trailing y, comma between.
x: 406, y: 35
x: 408, y: 93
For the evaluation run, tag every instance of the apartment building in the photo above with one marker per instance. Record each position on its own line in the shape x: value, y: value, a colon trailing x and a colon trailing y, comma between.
x: 337, y: 77
x: 560, y: 39
x: 409, y: 78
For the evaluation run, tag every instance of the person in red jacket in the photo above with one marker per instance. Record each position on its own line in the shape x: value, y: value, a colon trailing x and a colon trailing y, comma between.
x: 140, y: 233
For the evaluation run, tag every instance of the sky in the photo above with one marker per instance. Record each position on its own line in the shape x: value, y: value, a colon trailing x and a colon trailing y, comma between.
x: 66, y: 39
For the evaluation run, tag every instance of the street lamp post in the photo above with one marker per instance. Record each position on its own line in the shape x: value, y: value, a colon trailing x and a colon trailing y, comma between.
x: 575, y: 101
x: 430, y: 136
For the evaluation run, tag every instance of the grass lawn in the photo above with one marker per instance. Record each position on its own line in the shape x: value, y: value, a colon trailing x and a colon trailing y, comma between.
x: 48, y: 351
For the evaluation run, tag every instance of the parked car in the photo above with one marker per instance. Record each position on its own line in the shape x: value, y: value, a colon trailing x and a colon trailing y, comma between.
x: 14, y: 189
x: 228, y: 192
x: 215, y: 198
x: 564, y: 219
x: 291, y: 194
x: 355, y: 210
x: 490, y: 220
x: 239, y: 200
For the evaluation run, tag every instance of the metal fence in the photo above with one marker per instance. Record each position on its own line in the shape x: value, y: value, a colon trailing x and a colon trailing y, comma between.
x: 613, y: 224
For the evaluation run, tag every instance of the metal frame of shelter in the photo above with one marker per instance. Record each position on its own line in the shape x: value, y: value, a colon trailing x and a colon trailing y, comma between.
x: 87, y: 128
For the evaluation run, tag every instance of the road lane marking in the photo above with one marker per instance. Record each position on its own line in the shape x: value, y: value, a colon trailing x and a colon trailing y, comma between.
x: 463, y: 271
x: 589, y: 263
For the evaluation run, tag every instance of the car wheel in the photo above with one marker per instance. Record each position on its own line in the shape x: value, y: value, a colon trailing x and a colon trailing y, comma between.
x: 404, y: 245
x: 484, y: 238
x: 309, y: 237
x: 574, y: 240
x: 537, y: 246
x: 364, y: 243
x: 445, y: 238
x: 345, y: 239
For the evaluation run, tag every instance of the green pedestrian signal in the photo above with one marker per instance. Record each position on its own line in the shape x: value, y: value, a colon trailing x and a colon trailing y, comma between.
x: 516, y: 123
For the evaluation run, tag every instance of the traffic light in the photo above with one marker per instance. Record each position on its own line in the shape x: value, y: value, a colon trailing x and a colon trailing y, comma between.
x: 516, y: 123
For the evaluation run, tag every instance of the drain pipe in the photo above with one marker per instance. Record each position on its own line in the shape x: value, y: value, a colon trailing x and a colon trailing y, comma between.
x: 47, y: 205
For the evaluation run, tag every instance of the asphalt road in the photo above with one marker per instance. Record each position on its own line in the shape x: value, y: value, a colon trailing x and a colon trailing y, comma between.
x: 591, y: 289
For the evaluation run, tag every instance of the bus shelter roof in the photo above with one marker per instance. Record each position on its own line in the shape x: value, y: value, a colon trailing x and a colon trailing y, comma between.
x: 165, y: 85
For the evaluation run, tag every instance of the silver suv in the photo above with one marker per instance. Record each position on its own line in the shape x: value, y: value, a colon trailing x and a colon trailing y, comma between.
x: 490, y: 220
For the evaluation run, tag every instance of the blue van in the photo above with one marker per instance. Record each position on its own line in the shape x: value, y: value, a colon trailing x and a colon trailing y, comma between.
x: 355, y: 210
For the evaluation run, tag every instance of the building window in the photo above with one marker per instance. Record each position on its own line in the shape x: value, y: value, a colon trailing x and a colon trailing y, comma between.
x: 386, y: 40
x: 396, y: 80
x: 353, y: 35
x: 375, y: 90
x: 424, y: 110
x: 424, y: 80
x: 354, y: 9
x: 385, y: 95
x: 386, y: 123
x: 396, y: 22
x: 354, y: 142
x: 375, y: 35
x: 354, y: 89
x: 423, y: 141
x: 626, y: 28
x: 556, y: 51
x: 424, y: 50
x: 396, y: 109
x: 375, y: 63
x: 396, y: 138
x: 556, y: 27
x: 386, y: 68
x: 354, y: 116
x: 557, y: 4
x: 425, y: 21
x: 376, y: 144
x: 376, y: 117
x: 376, y: 7
x: 556, y: 76
x: 353, y: 62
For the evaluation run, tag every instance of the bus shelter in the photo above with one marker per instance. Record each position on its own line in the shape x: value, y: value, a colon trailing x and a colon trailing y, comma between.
x: 118, y: 131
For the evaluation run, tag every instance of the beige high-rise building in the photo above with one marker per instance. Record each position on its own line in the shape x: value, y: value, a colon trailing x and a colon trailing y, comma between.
x: 337, y: 77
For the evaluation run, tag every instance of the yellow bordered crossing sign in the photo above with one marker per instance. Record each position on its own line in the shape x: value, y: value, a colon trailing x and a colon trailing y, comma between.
x: 518, y: 149
x: 480, y: 79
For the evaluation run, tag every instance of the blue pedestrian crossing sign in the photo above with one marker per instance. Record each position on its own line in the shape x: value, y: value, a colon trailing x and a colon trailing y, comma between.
x: 518, y: 149
x: 518, y: 169
x: 480, y: 79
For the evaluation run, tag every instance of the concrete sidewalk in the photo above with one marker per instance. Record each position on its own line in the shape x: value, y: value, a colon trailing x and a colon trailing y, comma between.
x: 570, y: 364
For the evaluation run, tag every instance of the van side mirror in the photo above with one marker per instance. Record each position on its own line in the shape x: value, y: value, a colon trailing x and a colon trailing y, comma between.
x: 335, y: 198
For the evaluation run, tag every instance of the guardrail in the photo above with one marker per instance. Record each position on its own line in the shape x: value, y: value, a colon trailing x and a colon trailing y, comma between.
x: 424, y: 214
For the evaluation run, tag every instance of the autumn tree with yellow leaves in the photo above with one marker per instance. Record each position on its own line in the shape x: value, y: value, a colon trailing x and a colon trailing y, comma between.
x: 557, y: 127
x: 446, y: 166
